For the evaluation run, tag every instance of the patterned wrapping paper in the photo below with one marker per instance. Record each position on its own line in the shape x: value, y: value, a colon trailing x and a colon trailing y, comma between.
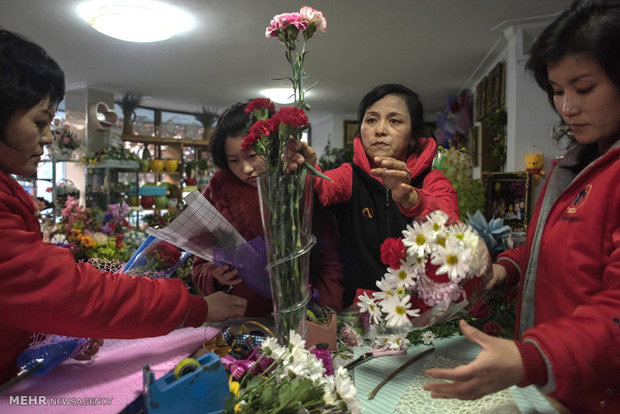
x: 115, y: 372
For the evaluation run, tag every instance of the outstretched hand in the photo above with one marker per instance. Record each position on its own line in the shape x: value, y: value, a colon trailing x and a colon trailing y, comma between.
x: 396, y: 177
x: 298, y: 153
x: 498, y: 366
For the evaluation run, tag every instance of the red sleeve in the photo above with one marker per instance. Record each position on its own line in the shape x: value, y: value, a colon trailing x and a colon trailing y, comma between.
x: 339, y: 189
x: 43, y: 289
x: 515, y: 262
x: 437, y: 193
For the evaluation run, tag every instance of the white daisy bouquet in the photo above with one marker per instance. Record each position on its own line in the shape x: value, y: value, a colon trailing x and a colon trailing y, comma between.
x: 435, y: 271
x: 294, y: 382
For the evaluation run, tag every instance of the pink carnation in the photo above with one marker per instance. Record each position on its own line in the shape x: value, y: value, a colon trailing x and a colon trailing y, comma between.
x: 314, y: 16
x: 291, y: 115
x: 284, y: 20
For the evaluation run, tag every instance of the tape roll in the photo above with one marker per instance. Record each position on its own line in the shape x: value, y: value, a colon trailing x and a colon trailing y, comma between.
x: 185, y: 366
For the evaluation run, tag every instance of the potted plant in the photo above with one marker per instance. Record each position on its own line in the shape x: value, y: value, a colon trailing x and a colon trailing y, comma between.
x: 207, y: 118
x: 129, y: 103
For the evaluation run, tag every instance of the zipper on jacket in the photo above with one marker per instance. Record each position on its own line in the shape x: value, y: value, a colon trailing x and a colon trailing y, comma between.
x: 388, y: 195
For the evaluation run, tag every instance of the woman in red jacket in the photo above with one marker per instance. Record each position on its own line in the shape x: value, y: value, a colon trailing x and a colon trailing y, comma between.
x: 389, y: 183
x: 568, y: 318
x: 232, y: 190
x: 42, y: 288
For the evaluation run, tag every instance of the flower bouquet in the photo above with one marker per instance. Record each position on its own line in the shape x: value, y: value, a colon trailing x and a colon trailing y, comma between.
x: 436, y: 271
x: 89, y: 235
x: 295, y: 381
x: 155, y: 258
x: 286, y: 199
x: 65, y: 141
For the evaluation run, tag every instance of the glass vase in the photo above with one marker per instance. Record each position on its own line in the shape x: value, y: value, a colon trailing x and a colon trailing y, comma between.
x: 286, y: 203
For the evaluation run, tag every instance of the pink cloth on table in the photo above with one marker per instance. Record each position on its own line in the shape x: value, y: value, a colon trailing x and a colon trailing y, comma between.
x: 115, y: 372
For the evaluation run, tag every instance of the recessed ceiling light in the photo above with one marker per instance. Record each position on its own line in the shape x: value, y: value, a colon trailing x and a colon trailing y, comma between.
x: 280, y: 95
x: 135, y: 20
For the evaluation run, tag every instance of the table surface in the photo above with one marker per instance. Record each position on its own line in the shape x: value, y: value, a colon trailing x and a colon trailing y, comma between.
x: 114, y: 379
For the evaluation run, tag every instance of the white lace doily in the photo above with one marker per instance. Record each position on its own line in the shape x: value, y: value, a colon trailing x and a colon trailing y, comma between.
x: 417, y: 401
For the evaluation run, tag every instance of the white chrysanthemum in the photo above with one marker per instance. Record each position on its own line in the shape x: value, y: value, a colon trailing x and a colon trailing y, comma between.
x: 397, y: 341
x: 398, y: 311
x: 346, y: 390
x: 100, y: 239
x: 59, y: 239
x: 452, y: 259
x: 367, y: 304
x: 437, y: 221
x: 428, y: 337
x: 405, y: 276
x: 387, y: 289
x: 273, y: 349
x: 416, y: 239
x: 295, y: 340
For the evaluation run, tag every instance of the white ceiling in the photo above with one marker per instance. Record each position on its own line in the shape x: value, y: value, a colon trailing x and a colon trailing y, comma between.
x: 432, y: 46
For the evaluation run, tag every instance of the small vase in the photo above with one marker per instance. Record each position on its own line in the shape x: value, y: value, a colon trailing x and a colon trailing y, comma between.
x: 286, y: 211
x: 157, y: 166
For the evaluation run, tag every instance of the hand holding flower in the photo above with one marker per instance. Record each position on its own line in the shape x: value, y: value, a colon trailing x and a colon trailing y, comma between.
x: 498, y: 366
x: 223, y: 274
x: 499, y: 275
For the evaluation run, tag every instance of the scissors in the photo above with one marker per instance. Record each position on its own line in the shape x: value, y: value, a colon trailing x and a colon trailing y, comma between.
x: 376, y: 352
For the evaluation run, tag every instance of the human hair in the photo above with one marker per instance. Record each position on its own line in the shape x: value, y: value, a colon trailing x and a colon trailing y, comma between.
x: 587, y: 26
x: 232, y: 123
x: 27, y: 76
x: 416, y: 111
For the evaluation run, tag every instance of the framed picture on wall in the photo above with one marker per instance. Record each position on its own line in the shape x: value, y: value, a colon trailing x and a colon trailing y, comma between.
x: 495, y: 87
x: 509, y: 196
x: 350, y: 132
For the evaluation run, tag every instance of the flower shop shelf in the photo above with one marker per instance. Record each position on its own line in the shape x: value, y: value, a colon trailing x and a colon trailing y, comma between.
x: 109, y: 181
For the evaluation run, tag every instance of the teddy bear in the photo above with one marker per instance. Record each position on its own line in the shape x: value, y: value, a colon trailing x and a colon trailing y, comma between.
x: 534, y: 164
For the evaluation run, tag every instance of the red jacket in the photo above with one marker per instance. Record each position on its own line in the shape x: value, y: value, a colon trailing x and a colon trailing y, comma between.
x: 367, y: 214
x: 436, y: 193
x: 42, y: 289
x: 568, y: 318
x: 238, y: 203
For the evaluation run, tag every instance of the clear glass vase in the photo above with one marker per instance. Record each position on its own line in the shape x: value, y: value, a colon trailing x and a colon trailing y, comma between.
x: 286, y: 203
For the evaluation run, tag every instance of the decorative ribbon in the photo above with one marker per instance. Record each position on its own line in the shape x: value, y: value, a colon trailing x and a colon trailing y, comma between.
x: 239, y: 352
x: 238, y: 368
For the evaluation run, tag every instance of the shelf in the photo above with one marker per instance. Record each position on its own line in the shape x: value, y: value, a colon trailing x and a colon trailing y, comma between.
x: 165, y: 141
x: 117, y: 164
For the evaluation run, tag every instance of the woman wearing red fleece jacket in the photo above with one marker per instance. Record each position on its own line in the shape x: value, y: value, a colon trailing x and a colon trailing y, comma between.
x: 389, y: 183
x: 232, y: 191
x: 568, y: 318
x: 42, y: 288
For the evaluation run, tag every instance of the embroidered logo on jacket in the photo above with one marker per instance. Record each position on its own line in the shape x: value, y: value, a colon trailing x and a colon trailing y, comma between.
x: 368, y: 212
x: 579, y: 200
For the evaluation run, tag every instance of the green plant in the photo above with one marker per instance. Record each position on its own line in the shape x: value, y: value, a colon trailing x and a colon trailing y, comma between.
x: 495, y: 122
x: 207, y: 116
x: 458, y: 168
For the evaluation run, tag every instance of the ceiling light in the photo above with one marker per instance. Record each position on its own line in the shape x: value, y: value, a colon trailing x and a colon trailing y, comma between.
x: 280, y: 95
x: 135, y: 20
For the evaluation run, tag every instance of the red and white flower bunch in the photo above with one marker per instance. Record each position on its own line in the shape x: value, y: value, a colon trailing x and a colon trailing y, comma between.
x: 63, y: 136
x: 435, y: 271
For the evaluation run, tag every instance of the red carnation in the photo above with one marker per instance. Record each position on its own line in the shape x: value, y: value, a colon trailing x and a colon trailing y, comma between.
x: 249, y: 141
x: 393, y: 251
x: 260, y: 103
x: 293, y: 116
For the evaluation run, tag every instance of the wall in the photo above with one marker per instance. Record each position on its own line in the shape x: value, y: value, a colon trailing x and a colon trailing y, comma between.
x: 329, y: 127
x: 530, y: 116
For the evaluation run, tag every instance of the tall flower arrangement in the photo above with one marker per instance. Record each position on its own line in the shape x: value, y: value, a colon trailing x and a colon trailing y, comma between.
x: 286, y: 198
x: 435, y: 271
